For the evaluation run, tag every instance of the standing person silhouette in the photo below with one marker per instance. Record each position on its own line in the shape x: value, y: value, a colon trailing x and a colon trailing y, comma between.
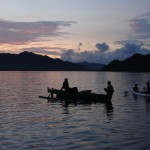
x: 65, y: 85
x: 109, y: 90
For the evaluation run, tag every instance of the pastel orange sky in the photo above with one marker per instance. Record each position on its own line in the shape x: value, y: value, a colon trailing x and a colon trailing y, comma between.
x: 79, y: 28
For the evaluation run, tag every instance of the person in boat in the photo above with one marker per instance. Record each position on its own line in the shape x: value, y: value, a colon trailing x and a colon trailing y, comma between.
x: 147, y: 88
x: 65, y: 85
x: 109, y: 90
x: 135, y: 88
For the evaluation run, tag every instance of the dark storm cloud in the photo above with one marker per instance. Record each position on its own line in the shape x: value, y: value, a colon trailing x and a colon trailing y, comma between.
x: 22, y: 32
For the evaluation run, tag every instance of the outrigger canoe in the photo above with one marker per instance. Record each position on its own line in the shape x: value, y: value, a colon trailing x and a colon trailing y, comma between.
x: 76, y: 97
x: 140, y: 94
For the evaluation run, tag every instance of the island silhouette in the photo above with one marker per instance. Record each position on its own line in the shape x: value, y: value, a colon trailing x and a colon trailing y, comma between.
x: 135, y: 63
x: 29, y: 61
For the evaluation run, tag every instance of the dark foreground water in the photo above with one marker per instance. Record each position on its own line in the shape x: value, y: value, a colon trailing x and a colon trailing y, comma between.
x: 27, y: 122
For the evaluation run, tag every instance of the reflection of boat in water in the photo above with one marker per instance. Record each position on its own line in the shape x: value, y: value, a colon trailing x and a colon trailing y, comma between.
x: 73, y: 97
x: 141, y: 93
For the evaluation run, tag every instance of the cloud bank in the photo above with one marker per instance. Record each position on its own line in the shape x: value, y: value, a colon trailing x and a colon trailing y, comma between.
x: 103, y: 54
x: 24, y: 32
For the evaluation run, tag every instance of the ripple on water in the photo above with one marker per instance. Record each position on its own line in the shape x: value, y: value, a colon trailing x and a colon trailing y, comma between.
x: 27, y: 122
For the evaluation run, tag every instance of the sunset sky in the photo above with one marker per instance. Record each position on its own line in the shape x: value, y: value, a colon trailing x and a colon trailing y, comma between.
x: 76, y: 30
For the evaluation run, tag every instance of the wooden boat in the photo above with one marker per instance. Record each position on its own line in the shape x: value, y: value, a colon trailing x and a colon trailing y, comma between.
x: 141, y: 93
x: 76, y: 97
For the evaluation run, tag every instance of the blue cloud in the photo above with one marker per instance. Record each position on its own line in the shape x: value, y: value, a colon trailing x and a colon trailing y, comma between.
x: 140, y: 27
x: 102, y: 47
x: 94, y: 56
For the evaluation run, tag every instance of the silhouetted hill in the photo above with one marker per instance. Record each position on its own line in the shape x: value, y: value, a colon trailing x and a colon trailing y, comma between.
x: 91, y: 66
x: 28, y: 61
x: 136, y: 63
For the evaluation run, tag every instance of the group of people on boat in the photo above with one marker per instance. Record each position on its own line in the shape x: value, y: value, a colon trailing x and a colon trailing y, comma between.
x: 109, y: 90
x: 147, y: 91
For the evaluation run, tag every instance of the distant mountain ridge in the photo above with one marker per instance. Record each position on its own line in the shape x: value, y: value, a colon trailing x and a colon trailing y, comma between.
x: 91, y: 66
x: 136, y: 63
x: 28, y: 61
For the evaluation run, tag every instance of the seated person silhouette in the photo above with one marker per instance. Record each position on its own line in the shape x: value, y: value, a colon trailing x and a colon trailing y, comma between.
x: 135, y: 88
x: 66, y: 87
x: 147, y: 88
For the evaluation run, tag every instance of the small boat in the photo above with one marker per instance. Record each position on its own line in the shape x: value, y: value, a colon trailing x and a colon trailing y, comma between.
x: 141, y: 93
x: 76, y: 97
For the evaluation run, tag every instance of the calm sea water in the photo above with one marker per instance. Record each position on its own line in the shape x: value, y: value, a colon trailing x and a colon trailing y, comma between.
x: 27, y: 122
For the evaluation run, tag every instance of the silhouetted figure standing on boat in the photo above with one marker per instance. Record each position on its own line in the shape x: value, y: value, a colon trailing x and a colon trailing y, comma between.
x: 147, y: 88
x: 65, y: 85
x: 109, y: 90
x: 135, y: 88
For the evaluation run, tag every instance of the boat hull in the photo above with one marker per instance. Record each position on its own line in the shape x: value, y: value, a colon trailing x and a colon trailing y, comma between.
x: 140, y: 94
x: 82, y: 97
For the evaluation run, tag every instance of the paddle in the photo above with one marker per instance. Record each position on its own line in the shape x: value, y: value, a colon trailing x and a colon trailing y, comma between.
x: 44, y: 97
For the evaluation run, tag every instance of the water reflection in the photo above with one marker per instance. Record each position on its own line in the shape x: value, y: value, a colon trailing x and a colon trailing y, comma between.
x: 147, y: 105
x: 135, y: 97
x: 28, y: 122
x: 140, y: 99
x: 109, y: 110
x: 65, y: 109
x: 108, y: 107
